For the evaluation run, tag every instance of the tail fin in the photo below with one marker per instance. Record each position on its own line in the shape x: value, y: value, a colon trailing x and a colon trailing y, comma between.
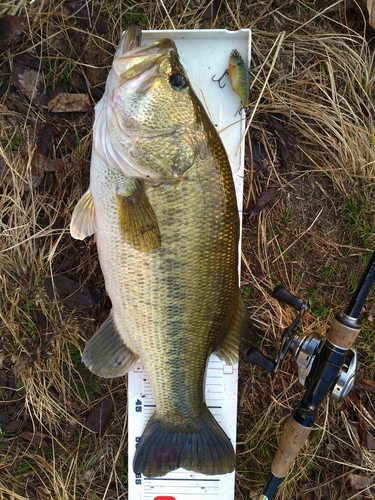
x: 200, y: 447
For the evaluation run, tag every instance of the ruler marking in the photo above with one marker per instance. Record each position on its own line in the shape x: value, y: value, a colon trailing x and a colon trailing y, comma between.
x: 149, y: 479
x: 220, y: 390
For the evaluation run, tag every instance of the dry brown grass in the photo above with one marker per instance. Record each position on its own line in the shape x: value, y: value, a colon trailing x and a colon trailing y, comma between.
x: 311, y: 113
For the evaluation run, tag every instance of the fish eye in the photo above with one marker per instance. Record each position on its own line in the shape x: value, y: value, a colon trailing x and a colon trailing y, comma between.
x: 177, y: 80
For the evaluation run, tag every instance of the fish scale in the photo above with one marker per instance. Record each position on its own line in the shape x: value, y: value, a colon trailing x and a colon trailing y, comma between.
x: 163, y: 208
x: 148, y: 278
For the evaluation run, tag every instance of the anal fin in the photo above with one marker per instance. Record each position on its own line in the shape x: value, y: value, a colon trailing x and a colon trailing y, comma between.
x: 106, y: 353
x: 138, y: 223
x: 83, y: 223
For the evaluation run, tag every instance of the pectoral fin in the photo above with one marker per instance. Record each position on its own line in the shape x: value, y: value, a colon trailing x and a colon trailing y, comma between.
x: 241, y: 334
x: 83, y: 223
x: 106, y: 354
x: 138, y: 223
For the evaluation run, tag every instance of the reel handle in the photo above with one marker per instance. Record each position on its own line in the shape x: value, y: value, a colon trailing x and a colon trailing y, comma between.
x: 285, y: 297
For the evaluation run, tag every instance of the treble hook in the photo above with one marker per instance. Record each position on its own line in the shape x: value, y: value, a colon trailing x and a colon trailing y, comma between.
x: 219, y: 79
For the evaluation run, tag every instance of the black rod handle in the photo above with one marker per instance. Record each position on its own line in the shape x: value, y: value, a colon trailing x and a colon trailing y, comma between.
x: 270, y: 487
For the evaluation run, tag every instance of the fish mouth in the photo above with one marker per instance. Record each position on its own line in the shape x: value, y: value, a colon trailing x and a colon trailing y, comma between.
x: 130, y: 40
x: 133, y: 71
x: 136, y: 68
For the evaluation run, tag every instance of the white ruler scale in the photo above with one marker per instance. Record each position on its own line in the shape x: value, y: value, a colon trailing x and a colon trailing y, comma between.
x: 203, y: 53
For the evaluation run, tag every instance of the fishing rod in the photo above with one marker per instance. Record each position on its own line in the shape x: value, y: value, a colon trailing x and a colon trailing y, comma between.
x: 326, y: 367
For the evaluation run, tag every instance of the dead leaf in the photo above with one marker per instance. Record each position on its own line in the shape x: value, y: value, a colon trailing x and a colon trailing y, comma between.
x: 359, y: 482
x: 266, y: 197
x: 370, y: 442
x: 11, y: 28
x: 304, y: 493
x: 44, y: 164
x: 258, y: 156
x: 286, y: 141
x: 44, y: 141
x: 5, y: 74
x: 5, y: 172
x: 69, y: 103
x: 22, y: 364
x: 39, y: 440
x: 34, y: 438
x: 95, y: 59
x: 371, y: 12
x: 362, y: 423
x: 365, y: 385
x: 262, y: 201
x: 12, y: 426
x: 30, y: 82
x: 29, y: 59
x: 348, y: 4
x: 71, y: 427
x: 99, y: 416
x: 284, y: 134
x: 83, y: 14
x: 69, y: 292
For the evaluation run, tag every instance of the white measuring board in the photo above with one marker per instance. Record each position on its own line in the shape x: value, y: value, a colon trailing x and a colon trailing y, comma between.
x: 203, y: 53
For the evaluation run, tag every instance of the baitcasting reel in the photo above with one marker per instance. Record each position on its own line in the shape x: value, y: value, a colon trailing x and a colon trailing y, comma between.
x: 304, y: 349
x: 326, y: 367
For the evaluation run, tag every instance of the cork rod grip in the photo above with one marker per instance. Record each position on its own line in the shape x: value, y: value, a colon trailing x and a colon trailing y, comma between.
x: 343, y: 335
x: 292, y: 440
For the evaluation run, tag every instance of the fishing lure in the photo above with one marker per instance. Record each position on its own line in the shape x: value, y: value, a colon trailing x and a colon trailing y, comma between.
x: 238, y: 75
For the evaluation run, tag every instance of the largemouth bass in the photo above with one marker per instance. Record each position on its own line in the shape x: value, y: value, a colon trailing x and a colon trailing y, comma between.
x: 162, y: 205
